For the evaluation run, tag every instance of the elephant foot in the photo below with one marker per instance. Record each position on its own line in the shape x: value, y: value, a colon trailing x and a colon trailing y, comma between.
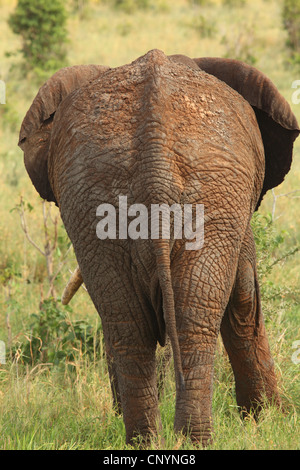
x: 256, y: 384
x: 193, y: 416
x: 200, y: 434
x: 251, y: 404
x: 141, y: 440
x: 204, y: 439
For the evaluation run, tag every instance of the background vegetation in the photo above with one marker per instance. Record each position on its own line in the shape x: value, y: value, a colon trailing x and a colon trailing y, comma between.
x: 54, y: 389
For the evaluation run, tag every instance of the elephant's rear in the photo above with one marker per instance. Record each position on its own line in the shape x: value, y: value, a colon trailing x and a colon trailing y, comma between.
x: 159, y: 133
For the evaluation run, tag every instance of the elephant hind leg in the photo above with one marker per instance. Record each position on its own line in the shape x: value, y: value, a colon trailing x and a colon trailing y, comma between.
x: 114, y: 382
x: 244, y: 336
x: 132, y: 367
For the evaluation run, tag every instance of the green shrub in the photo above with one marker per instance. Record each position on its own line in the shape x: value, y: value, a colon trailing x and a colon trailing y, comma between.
x: 240, y: 44
x: 200, y: 3
x: 42, y: 27
x: 291, y: 22
x: 54, y: 338
x: 9, y: 116
x: 270, y: 250
x: 234, y: 3
x: 205, y: 27
x: 130, y: 6
x: 268, y: 240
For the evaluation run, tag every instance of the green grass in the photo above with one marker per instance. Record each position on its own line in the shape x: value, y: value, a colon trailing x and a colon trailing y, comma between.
x: 51, y: 409
x: 44, y: 407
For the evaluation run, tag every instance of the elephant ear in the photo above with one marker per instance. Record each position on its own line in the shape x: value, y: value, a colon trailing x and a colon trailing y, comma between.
x: 35, y: 133
x: 278, y: 125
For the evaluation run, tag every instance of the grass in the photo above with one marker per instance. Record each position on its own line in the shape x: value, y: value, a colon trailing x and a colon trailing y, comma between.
x: 44, y: 407
x: 51, y: 409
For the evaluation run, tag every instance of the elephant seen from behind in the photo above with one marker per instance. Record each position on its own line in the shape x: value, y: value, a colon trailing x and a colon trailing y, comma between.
x: 170, y: 133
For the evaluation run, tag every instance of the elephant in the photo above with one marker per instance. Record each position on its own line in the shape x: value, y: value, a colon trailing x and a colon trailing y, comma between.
x: 166, y: 130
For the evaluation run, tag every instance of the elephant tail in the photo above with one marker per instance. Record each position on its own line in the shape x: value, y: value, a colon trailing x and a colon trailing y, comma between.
x: 72, y: 286
x: 162, y: 252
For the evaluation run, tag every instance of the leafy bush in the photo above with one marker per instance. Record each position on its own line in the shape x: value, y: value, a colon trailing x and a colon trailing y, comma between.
x: 267, y: 241
x: 240, y: 45
x: 129, y: 6
x: 42, y: 27
x: 270, y: 251
x: 201, y: 3
x: 291, y: 22
x: 234, y: 3
x: 8, y: 108
x: 9, y: 117
x: 206, y: 28
x: 54, y: 339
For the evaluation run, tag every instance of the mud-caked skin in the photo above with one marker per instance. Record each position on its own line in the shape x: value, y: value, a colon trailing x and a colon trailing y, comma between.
x: 167, y: 130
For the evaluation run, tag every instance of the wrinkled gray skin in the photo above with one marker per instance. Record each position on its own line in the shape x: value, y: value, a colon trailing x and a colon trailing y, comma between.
x: 167, y: 130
